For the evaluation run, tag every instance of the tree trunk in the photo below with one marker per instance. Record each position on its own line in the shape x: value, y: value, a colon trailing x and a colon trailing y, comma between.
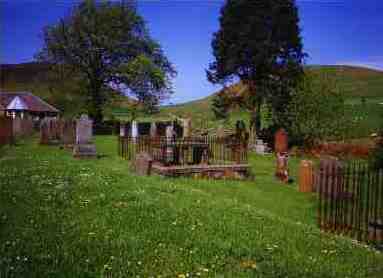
x: 95, y: 111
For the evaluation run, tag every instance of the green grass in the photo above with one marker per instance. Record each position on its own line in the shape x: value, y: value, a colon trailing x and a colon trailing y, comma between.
x: 61, y: 217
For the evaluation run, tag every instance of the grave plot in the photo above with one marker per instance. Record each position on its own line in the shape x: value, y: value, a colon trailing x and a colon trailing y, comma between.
x: 200, y: 157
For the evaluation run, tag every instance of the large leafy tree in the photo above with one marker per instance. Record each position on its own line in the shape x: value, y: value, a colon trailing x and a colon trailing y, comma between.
x: 107, y: 44
x: 259, y: 43
x: 317, y: 110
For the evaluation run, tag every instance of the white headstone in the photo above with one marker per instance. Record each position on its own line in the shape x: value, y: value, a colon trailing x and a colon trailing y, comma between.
x: 153, y: 129
x: 186, y: 123
x: 134, y: 129
x: 169, y: 131
x: 122, y: 129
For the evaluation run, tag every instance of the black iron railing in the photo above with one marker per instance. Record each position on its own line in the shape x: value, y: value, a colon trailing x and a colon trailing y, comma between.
x: 186, y: 151
x: 351, y: 200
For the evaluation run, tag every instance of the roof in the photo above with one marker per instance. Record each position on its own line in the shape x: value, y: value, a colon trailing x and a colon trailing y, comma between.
x: 26, y: 100
x: 17, y: 104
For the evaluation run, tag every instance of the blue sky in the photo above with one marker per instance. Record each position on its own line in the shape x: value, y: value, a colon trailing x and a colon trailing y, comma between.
x: 334, y: 32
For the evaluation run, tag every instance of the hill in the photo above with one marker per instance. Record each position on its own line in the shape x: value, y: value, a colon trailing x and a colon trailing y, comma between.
x: 21, y: 77
x: 355, y: 82
x: 65, y: 93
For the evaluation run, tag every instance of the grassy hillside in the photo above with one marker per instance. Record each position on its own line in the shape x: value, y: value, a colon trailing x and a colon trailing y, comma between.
x: 355, y: 82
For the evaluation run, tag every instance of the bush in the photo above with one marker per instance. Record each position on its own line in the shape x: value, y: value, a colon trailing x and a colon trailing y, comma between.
x: 106, y: 128
x: 376, y: 158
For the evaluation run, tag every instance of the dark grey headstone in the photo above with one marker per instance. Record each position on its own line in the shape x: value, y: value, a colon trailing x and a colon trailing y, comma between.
x: 84, y: 130
x: 84, y: 147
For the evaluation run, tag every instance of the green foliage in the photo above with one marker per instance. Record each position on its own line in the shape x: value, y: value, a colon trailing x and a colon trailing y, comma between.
x: 100, y: 41
x: 317, y: 111
x: 149, y: 82
x: 220, y: 107
x: 377, y: 156
x: 259, y: 43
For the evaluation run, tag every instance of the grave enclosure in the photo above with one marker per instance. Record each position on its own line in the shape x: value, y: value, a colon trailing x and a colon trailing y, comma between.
x: 200, y: 157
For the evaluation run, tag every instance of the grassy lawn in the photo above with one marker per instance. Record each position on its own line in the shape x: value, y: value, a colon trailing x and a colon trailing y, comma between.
x: 61, y: 217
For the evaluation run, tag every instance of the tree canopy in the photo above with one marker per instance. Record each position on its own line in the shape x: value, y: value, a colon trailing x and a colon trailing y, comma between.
x: 317, y: 110
x: 259, y: 43
x: 107, y: 44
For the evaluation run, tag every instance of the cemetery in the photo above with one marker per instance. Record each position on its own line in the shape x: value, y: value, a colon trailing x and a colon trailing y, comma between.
x: 105, y: 173
x: 104, y: 196
x: 167, y: 158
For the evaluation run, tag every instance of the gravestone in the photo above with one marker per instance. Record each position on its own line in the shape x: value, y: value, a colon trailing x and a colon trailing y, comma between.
x: 186, y: 123
x: 169, y: 151
x: 282, y: 170
x: 153, y: 129
x: 49, y: 132
x: 122, y: 130
x: 281, y: 141
x: 84, y: 147
x: 143, y: 164
x: 134, y: 130
x: 260, y: 147
x: 68, y: 133
x: 306, y: 176
x: 281, y: 152
x: 221, y: 132
x: 44, y: 137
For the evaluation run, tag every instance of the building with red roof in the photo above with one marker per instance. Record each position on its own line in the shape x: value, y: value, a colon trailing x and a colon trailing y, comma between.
x: 25, y: 104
